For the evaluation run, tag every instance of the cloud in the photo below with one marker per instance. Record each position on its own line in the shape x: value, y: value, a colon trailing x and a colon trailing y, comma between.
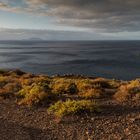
x: 2, y: 5
x: 101, y: 15
x: 104, y: 15
x: 6, y: 6
x: 89, y: 9
x: 19, y: 34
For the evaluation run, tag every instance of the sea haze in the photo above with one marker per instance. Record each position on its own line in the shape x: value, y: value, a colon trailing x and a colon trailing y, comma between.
x: 110, y: 59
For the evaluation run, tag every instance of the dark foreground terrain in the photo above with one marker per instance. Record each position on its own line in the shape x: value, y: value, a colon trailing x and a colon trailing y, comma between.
x: 24, y: 118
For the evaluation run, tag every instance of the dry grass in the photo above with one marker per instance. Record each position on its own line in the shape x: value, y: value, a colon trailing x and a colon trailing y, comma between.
x: 128, y: 91
x: 93, y: 93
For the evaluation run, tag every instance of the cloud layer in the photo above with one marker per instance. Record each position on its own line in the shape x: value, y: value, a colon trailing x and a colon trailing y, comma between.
x: 104, y: 15
x: 101, y: 15
x: 19, y: 34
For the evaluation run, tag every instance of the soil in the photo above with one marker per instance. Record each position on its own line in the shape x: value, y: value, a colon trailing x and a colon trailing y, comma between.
x: 115, y: 122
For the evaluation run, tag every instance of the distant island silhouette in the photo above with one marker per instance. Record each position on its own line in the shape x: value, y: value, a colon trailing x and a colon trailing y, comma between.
x: 34, y: 39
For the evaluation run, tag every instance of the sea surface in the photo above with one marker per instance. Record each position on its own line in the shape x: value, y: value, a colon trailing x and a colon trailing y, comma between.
x: 109, y: 59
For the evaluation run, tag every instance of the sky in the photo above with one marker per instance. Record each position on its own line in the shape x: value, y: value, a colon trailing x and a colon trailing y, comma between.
x: 70, y: 19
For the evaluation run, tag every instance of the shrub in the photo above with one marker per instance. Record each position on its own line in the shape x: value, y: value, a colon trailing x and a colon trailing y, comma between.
x: 133, y: 84
x: 72, y: 88
x: 16, y: 72
x: 101, y: 83
x: 25, y: 80
x: 114, y: 84
x: 98, y: 83
x: 93, y: 93
x: 33, y: 94
x: 3, y: 81
x: 122, y: 94
x: 69, y: 107
x: 128, y: 91
x: 63, y: 86
x: 83, y: 84
x: 10, y: 89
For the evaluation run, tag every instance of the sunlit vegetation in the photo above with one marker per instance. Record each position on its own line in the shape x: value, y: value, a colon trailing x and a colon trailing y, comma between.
x: 33, y: 94
x: 64, y: 95
x: 128, y: 91
x: 9, y: 85
x: 63, y: 86
x: 61, y: 109
x: 93, y: 93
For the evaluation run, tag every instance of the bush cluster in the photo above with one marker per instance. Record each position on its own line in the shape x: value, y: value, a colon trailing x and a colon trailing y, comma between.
x: 61, y: 109
x: 73, y: 94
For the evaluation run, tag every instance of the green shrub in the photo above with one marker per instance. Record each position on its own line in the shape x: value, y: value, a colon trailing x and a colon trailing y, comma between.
x: 63, y: 86
x: 34, y: 94
x: 69, y: 107
x: 3, y: 81
x: 84, y: 84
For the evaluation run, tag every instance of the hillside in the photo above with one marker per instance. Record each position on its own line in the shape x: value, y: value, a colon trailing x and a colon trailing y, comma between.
x: 69, y: 107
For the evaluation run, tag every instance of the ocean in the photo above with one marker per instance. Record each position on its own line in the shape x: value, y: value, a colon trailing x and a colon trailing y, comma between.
x: 109, y: 59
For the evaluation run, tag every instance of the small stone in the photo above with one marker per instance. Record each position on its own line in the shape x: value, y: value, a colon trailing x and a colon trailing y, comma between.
x: 132, y: 119
x: 127, y: 131
x: 87, y: 132
x: 92, y: 119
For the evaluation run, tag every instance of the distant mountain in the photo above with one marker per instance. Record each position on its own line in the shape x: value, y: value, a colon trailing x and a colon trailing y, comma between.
x: 34, y: 39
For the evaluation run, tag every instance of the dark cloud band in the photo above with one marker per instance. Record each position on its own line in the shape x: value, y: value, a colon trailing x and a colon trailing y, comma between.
x: 102, y: 15
x: 105, y: 15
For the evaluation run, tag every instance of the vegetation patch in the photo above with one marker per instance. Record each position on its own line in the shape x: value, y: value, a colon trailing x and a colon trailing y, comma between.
x: 63, y: 86
x: 93, y: 93
x: 61, y: 109
x: 34, y: 94
x: 128, y: 91
x: 30, y: 89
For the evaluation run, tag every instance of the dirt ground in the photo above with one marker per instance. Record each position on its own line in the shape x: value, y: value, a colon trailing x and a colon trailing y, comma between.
x: 115, y: 122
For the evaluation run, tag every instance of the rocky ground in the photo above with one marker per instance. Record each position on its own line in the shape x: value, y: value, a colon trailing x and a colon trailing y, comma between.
x: 115, y: 122
x: 25, y: 98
